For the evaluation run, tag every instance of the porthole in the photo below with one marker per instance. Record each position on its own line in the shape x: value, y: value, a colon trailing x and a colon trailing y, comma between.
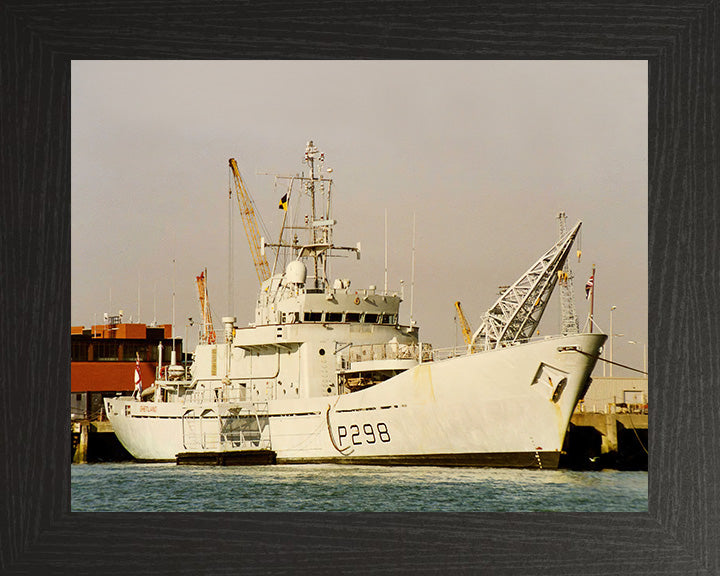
x: 321, y: 351
x: 329, y: 390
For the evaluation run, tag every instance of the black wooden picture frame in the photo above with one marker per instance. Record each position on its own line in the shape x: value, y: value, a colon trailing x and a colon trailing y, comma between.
x: 681, y: 532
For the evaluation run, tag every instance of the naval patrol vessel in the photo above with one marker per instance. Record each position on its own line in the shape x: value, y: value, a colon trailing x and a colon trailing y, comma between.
x: 326, y: 372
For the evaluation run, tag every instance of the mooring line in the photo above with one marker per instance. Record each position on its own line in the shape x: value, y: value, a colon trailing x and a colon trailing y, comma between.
x: 632, y: 425
x: 636, y: 434
x: 607, y: 361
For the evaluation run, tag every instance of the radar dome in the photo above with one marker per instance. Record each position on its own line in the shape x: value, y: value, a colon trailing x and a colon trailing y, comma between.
x: 295, y: 272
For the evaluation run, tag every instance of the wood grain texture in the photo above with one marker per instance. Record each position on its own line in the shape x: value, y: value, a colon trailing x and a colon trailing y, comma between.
x: 38, y: 534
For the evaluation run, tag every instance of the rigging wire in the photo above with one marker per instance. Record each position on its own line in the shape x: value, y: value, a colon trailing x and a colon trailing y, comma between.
x: 608, y: 361
x: 632, y: 425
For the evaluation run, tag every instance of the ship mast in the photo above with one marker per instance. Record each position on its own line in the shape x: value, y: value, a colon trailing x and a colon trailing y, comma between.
x: 311, y: 152
x: 318, y: 223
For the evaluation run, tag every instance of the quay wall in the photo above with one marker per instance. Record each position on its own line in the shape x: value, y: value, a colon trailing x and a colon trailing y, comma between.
x: 609, y: 428
x: 95, y: 441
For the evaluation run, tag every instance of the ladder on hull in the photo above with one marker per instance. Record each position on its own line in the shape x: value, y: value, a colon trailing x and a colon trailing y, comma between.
x: 232, y: 428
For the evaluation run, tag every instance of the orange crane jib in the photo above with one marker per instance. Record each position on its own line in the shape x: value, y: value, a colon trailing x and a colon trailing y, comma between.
x: 250, y: 223
x: 208, y: 331
x: 467, y: 333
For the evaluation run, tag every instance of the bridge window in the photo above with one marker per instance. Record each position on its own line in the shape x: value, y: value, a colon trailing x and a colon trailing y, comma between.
x: 313, y: 316
x: 371, y: 318
x: 333, y: 316
x: 352, y: 317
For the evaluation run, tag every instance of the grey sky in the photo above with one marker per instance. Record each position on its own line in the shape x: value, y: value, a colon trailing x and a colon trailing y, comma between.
x: 485, y: 153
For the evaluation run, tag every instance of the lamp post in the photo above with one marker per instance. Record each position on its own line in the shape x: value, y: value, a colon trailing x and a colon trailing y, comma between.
x: 190, y: 323
x: 644, y: 354
x: 612, y: 308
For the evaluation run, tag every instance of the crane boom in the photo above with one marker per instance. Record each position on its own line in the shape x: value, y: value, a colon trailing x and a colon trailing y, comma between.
x: 516, y: 314
x: 207, y: 336
x: 467, y: 332
x: 250, y: 223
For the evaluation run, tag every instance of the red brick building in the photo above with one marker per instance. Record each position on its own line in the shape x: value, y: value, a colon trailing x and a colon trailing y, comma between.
x: 103, y: 361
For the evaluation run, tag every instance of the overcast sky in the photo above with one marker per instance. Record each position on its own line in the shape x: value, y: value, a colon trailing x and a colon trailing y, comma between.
x: 484, y: 153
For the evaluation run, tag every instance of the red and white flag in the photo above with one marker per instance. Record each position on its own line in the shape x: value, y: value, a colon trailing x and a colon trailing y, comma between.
x: 138, y: 379
x: 589, y: 286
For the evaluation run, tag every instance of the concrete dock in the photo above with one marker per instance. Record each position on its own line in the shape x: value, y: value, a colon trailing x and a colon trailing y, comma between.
x: 596, y: 440
x: 609, y: 428
x: 95, y: 441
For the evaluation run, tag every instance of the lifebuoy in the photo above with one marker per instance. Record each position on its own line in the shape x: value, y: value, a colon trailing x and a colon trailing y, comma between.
x: 357, y: 300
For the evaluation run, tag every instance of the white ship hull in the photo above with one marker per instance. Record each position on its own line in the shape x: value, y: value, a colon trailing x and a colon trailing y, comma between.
x: 327, y: 373
x: 500, y: 408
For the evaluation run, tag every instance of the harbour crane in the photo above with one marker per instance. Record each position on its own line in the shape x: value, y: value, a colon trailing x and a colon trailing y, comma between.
x: 516, y: 314
x: 250, y: 223
x: 567, y: 291
x: 467, y: 332
x: 207, y: 335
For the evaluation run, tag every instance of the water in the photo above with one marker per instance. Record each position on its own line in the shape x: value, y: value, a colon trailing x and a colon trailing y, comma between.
x: 132, y: 487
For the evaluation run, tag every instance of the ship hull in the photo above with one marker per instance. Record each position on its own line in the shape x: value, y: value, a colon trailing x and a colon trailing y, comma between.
x: 533, y: 459
x: 508, y: 407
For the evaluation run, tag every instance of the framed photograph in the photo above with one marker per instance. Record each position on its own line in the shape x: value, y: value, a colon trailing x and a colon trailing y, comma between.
x: 45, y: 47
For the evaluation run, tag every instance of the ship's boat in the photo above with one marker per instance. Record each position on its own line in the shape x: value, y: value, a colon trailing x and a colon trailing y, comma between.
x: 327, y: 373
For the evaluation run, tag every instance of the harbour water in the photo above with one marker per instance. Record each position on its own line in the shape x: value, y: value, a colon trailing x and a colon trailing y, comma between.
x: 133, y: 487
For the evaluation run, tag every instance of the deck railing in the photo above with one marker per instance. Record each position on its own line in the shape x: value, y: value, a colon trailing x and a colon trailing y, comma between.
x: 388, y: 351
x: 228, y: 395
